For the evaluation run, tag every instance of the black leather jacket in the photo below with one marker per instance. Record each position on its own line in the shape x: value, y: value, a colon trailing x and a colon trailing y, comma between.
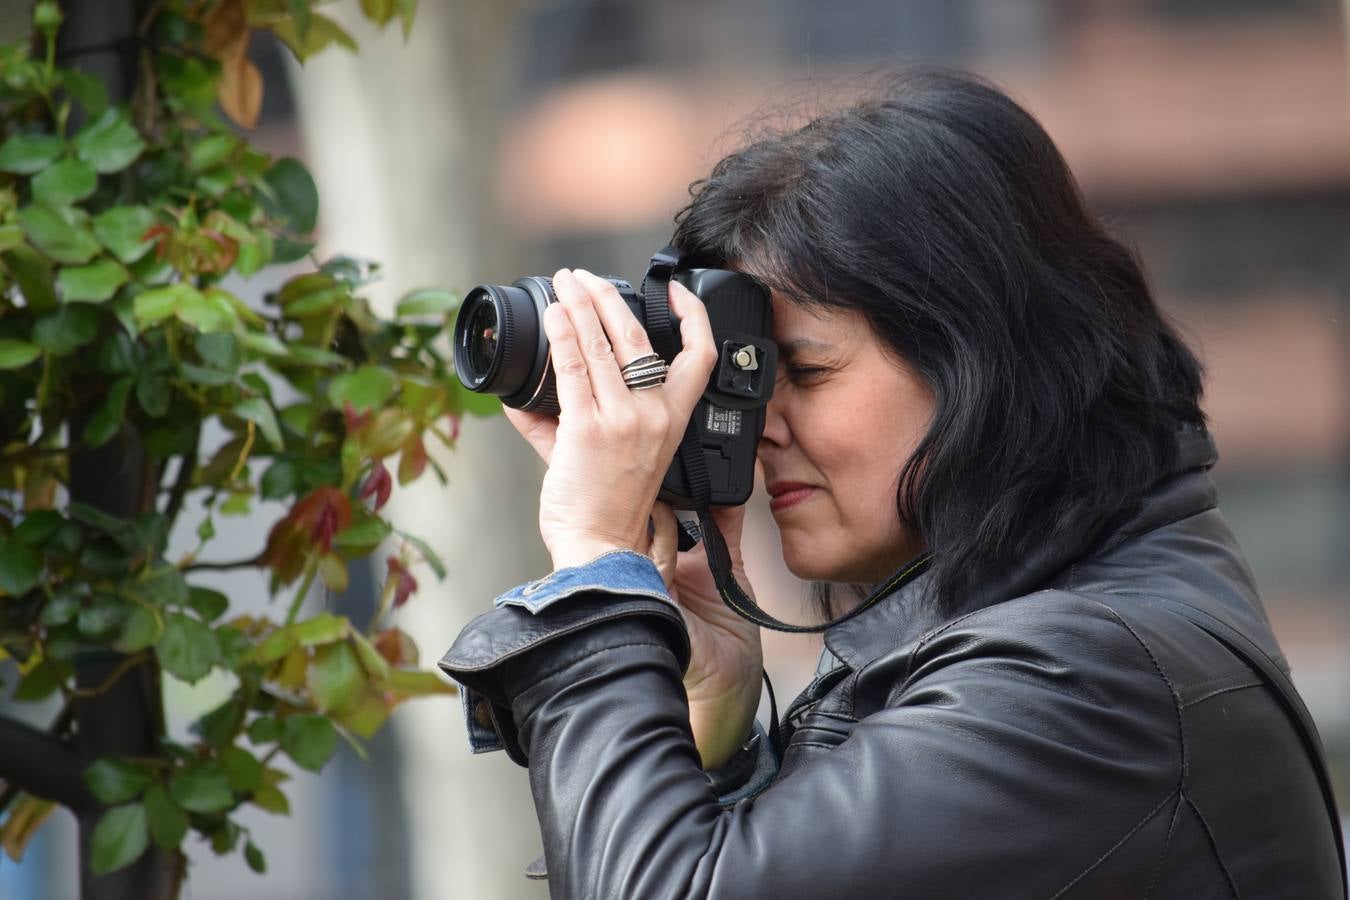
x: 1071, y: 737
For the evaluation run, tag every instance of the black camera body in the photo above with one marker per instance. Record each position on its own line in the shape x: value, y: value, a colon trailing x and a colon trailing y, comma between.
x: 500, y: 348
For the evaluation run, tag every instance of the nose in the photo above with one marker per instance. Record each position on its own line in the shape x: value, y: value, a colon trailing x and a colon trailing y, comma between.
x: 776, y: 431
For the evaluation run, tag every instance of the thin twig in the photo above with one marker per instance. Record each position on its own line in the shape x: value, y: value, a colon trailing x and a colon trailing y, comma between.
x: 222, y: 566
x: 182, y: 481
x: 125, y: 666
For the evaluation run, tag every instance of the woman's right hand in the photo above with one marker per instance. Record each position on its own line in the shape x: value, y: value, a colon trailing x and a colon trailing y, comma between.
x: 727, y: 661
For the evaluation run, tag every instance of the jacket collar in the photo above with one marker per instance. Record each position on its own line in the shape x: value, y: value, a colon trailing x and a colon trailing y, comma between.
x: 905, y: 615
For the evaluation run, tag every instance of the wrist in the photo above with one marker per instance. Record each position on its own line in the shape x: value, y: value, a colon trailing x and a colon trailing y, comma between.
x: 572, y: 553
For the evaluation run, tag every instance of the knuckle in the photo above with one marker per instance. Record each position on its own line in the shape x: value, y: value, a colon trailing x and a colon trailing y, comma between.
x: 624, y: 424
x: 572, y: 365
x: 598, y: 347
x: 634, y: 334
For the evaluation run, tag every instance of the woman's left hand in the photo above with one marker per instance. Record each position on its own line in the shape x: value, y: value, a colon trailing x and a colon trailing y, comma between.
x: 609, y: 448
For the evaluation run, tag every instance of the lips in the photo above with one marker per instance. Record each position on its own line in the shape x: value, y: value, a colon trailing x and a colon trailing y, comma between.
x: 788, y: 493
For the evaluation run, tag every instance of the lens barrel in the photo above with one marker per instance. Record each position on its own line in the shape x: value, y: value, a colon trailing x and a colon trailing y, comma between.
x: 500, y: 345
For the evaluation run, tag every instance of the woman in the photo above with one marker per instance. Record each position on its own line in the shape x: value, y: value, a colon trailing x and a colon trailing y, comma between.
x: 970, y: 368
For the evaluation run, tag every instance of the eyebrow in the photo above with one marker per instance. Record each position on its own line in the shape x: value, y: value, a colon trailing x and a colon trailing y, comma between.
x: 792, y: 347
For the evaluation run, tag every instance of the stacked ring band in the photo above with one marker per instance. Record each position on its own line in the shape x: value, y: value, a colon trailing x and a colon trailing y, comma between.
x: 645, y: 372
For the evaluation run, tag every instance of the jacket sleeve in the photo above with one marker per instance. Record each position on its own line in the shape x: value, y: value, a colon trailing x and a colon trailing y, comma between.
x: 976, y: 773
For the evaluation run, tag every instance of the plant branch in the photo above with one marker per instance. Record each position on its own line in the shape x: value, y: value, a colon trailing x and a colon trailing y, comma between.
x: 123, y: 667
x: 42, y: 764
x: 183, y: 479
x: 251, y: 562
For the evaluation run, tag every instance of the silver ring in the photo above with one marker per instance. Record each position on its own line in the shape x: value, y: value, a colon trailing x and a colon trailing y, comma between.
x: 645, y: 372
x: 642, y: 362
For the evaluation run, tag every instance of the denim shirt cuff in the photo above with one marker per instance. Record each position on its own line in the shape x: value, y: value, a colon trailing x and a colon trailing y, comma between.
x: 617, y: 572
x: 748, y: 773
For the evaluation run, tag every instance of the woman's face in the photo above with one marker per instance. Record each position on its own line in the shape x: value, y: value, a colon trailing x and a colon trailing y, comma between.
x: 846, y: 415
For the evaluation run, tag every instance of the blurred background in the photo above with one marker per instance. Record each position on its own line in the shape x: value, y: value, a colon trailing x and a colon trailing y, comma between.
x: 508, y: 138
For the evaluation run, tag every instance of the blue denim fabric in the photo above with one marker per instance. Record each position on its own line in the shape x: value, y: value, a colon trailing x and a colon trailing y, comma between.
x: 616, y: 572
x: 747, y: 774
x: 483, y: 738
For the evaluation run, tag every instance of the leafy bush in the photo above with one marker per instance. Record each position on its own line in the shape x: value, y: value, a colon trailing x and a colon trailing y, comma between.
x: 118, y: 225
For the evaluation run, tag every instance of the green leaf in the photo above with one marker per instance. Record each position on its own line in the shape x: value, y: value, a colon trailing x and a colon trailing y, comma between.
x: 141, y: 628
x: 34, y: 275
x: 157, y: 304
x: 365, y: 532
x: 309, y: 740
x: 205, y: 375
x: 407, y: 10
x: 39, y: 684
x: 166, y: 587
x: 69, y: 181
x: 62, y: 608
x: 11, y: 236
x: 188, y: 649
x: 294, y: 197
x: 206, y: 312
x: 242, y: 769
x: 264, y: 730
x: 168, y: 823
x: 335, y: 677
x: 427, y: 302
x: 19, y: 568
x: 211, y: 151
x: 57, y: 236
x: 263, y: 344
x: 260, y: 412
x: 369, y: 387
x: 25, y: 154
x: 17, y: 354
x: 204, y: 788
x: 152, y: 393
x: 119, y: 354
x: 122, y: 230
x: 219, y: 350
x: 109, y: 143
x: 281, y: 479
x: 285, y: 250
x: 86, y: 89
x: 115, y: 781
x: 428, y: 555
x: 235, y: 647
x: 209, y: 604
x: 107, y: 420
x: 67, y: 329
x: 318, y: 33
x: 94, y: 282
x: 106, y: 613
x: 119, y: 838
x: 38, y: 526
x: 254, y: 857
x: 325, y: 628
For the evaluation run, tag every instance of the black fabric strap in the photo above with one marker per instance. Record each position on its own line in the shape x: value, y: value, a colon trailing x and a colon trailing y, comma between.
x: 1249, y: 651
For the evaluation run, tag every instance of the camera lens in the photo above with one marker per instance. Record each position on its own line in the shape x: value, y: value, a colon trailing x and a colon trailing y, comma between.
x: 482, y: 337
x: 500, y: 346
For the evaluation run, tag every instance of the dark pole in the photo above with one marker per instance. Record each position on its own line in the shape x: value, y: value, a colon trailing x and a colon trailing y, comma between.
x: 101, y: 37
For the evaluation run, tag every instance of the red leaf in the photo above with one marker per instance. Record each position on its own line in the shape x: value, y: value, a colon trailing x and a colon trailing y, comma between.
x: 404, y: 583
x: 378, y: 484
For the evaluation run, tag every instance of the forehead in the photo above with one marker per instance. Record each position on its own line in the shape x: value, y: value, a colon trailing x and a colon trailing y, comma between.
x: 799, y: 323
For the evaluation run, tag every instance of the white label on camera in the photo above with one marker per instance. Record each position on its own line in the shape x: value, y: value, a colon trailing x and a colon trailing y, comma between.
x: 723, y: 421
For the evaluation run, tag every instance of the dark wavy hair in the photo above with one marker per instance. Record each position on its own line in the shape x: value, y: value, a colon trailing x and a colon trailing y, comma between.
x: 942, y: 211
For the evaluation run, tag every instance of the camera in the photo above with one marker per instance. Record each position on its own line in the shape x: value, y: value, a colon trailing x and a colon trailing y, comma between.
x: 500, y: 348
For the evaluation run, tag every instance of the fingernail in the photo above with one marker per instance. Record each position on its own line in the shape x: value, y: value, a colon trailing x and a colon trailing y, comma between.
x: 582, y: 273
x: 563, y: 275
